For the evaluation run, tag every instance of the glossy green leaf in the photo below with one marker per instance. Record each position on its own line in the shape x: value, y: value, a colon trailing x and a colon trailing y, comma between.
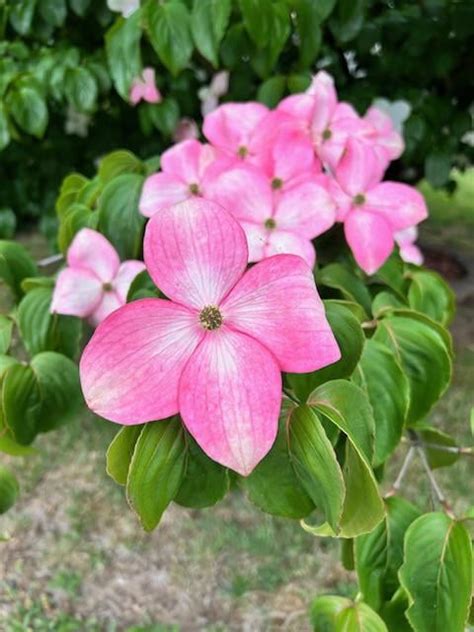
x: 81, y: 88
x: 120, y: 452
x: 271, y: 91
x: 421, y: 348
x: 308, y: 20
x: 29, y: 110
x: 315, y: 464
x: 380, y: 375
x: 392, y: 274
x: 77, y: 216
x: 351, y: 287
x: 331, y: 613
x: 379, y: 554
x: 164, y: 115
x: 70, y: 187
x: 53, y: 12
x: 117, y: 163
x: 15, y: 265
x: 430, y: 294
x: 59, y: 388
x: 168, y: 27
x: 142, y: 287
x: 348, y: 19
x: 205, y: 481
x: 9, y: 489
x: 209, y: 20
x: 6, y: 329
x: 4, y: 130
x: 156, y: 470
x: 437, y: 573
x: 273, y: 485
x: 21, y: 15
x: 264, y: 59
x: 432, y: 438
x: 350, y: 338
x: 119, y: 219
x: 385, y: 301
x: 257, y: 16
x: 21, y: 402
x: 122, y: 45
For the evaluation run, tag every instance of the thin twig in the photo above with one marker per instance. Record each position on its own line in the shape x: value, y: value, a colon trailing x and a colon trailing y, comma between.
x: 47, y: 261
x: 401, y: 475
x: 434, y: 484
x: 454, y: 449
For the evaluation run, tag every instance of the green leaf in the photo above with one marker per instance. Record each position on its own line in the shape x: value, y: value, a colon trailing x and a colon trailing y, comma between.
x: 164, y: 115
x: 273, y: 485
x: 21, y: 15
x: 430, y: 294
x: 120, y: 452
x: 315, y: 464
x: 117, y: 163
x: 21, y: 402
x: 59, y: 388
x: 209, y: 20
x: 386, y: 301
x: 340, y: 278
x: 331, y: 613
x: 433, y: 437
x: 43, y: 331
x: 156, y: 470
x: 70, y: 187
x: 81, y: 88
x: 29, y: 110
x: 258, y: 17
x: 438, y: 168
x: 271, y: 91
x: 10, y: 446
x: 4, y: 131
x: 15, y: 265
x: 422, y: 351
x: 308, y: 20
x: 9, y: 489
x: 168, y: 27
x: 392, y: 274
x: 142, y: 287
x: 380, y: 375
x: 53, y: 11
x: 379, y: 554
x: 76, y: 217
x: 122, y: 45
x: 348, y: 19
x: 437, y: 573
x: 119, y: 218
x: 6, y: 330
x: 205, y: 482
x: 8, y: 221
x: 80, y: 6
x: 264, y: 59
x: 350, y: 338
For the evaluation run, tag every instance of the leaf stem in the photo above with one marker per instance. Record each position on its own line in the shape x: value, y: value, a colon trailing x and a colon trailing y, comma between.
x: 434, y: 484
x: 401, y: 475
x: 47, y: 261
x: 454, y: 449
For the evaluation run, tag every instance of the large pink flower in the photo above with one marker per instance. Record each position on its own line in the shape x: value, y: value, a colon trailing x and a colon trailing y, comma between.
x: 95, y: 283
x: 144, y: 88
x: 186, y: 169
x: 215, y: 350
x: 372, y: 211
x: 277, y: 220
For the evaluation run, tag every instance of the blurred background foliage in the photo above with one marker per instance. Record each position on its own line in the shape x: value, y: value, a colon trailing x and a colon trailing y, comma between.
x: 66, y: 67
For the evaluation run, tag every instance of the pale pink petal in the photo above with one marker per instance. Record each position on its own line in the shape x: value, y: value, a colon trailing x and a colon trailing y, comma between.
x: 91, y: 251
x: 370, y: 238
x: 186, y: 129
x: 411, y: 254
x: 187, y: 160
x: 306, y: 209
x: 151, y: 94
x: 289, y: 156
x: 244, y: 191
x: 277, y: 303
x: 77, y: 292
x: 109, y: 303
x: 359, y: 169
x: 400, y: 204
x: 325, y: 100
x: 126, y: 273
x: 195, y: 252
x: 137, y: 92
x: 299, y: 106
x: 160, y: 191
x: 286, y: 242
x: 230, y: 397
x: 220, y: 83
x: 342, y: 201
x: 386, y: 135
x: 132, y: 365
x: 257, y: 239
x: 231, y: 126
x: 331, y: 150
x: 344, y: 111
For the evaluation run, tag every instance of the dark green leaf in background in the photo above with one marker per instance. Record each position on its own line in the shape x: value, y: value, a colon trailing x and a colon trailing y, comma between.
x: 209, y: 20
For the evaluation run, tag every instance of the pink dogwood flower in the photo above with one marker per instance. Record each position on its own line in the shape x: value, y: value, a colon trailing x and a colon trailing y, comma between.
x: 144, y: 88
x: 373, y: 212
x: 95, y: 283
x: 409, y: 251
x: 276, y: 220
x: 186, y: 170
x: 214, y: 352
x: 211, y: 94
x: 384, y: 134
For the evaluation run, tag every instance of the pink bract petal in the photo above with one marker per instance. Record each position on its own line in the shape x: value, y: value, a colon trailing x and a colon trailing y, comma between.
x: 186, y: 129
x: 188, y: 160
x: 257, y: 239
x: 299, y: 106
x: 160, y: 191
x: 230, y: 397
x: 370, y: 239
x: 137, y: 92
x: 400, y: 204
x: 132, y: 365
x: 288, y: 157
x: 306, y: 209
x: 77, y: 292
x: 359, y: 168
x: 126, y: 274
x: 411, y: 253
x: 325, y: 100
x: 286, y: 242
x: 91, y: 251
x: 386, y: 135
x: 231, y: 126
x: 195, y: 252
x: 276, y: 302
x: 109, y: 303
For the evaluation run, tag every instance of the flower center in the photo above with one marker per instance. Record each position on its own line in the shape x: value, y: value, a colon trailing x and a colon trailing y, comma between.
x: 359, y: 199
x: 194, y: 188
x: 107, y: 287
x: 327, y: 134
x: 270, y: 223
x: 210, y: 317
x: 277, y: 183
x: 242, y: 151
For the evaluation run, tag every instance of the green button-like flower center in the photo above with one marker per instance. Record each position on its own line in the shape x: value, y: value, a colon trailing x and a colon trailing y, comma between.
x: 327, y: 134
x: 277, y: 183
x: 107, y: 287
x: 210, y: 317
x: 242, y: 151
x: 194, y: 188
x: 359, y: 199
x: 270, y: 223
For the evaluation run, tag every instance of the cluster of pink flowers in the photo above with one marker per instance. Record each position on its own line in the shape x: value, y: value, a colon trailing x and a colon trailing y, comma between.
x: 266, y: 184
x: 289, y: 174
